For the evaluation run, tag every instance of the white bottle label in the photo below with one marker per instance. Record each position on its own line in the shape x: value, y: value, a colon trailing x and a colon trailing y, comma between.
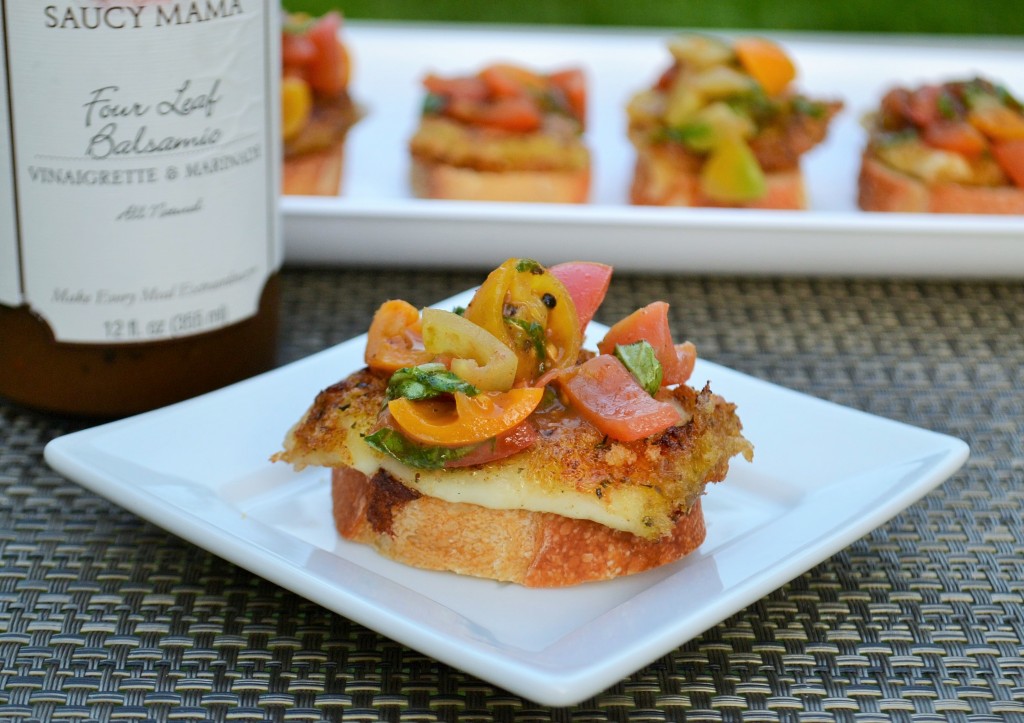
x: 145, y: 164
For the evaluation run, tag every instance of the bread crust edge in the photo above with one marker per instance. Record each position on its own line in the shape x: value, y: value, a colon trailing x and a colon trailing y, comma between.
x: 883, y: 188
x: 533, y: 549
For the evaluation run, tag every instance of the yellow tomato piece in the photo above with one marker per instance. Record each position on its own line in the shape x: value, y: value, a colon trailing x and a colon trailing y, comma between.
x: 467, y: 420
x: 395, y: 338
x: 997, y: 121
x: 530, y: 311
x: 731, y: 174
x: 296, y: 106
x: 766, y: 62
x: 477, y: 355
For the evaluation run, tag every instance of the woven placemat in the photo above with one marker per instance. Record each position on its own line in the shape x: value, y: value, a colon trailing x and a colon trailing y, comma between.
x: 106, y: 617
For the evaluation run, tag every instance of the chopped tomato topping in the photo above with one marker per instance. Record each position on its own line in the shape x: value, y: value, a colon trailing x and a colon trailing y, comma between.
x: 470, y: 88
x: 766, y: 62
x: 603, y: 391
x: 573, y: 85
x: 513, y: 113
x: 505, y: 81
x: 395, y: 338
x: 587, y: 284
x: 508, y: 97
x: 530, y: 311
x: 1010, y: 157
x: 505, y: 445
x: 651, y: 324
x: 328, y: 70
x: 923, y: 105
x: 439, y: 421
x: 957, y: 136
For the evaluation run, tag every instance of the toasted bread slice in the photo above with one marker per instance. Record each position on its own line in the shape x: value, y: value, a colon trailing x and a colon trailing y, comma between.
x: 659, y: 181
x: 443, y: 181
x: 315, y: 173
x: 883, y: 188
x: 534, y: 549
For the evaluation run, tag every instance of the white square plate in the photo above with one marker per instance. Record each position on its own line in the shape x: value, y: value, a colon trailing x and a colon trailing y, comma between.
x: 823, y: 476
x: 832, y: 237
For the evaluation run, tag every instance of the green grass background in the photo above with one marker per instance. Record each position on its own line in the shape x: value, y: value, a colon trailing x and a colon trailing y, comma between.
x: 971, y: 17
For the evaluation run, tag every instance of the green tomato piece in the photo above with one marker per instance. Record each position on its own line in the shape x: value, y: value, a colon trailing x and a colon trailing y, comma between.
x: 732, y: 174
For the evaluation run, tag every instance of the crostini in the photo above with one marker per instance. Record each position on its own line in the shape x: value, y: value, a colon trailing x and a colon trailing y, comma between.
x: 505, y: 133
x: 316, y: 108
x: 487, y: 442
x: 723, y: 126
x: 953, y: 147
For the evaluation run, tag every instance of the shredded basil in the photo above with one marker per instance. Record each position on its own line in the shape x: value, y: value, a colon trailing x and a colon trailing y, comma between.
x: 534, y: 333
x: 392, y: 443
x: 433, y: 104
x: 695, y: 135
x: 807, y: 107
x: 530, y: 266
x: 641, y: 361
x: 426, y: 381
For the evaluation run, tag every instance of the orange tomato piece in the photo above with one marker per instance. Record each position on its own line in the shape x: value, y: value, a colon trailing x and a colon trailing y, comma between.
x: 998, y: 122
x: 957, y: 136
x: 463, y: 88
x: 766, y: 62
x: 573, y: 84
x: 605, y: 394
x: 1010, y: 157
x: 514, y: 113
x: 650, y: 323
x: 504, y: 81
x: 395, y: 338
x: 467, y: 420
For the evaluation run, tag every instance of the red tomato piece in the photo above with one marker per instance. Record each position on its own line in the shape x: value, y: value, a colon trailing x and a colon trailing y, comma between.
x: 296, y: 50
x: 923, y: 105
x: 324, y: 72
x: 957, y: 136
x: 574, y: 85
x: 1010, y: 157
x: 518, y: 113
x: 469, y: 88
x: 587, y: 283
x: 603, y: 391
x: 504, y: 445
x: 651, y: 324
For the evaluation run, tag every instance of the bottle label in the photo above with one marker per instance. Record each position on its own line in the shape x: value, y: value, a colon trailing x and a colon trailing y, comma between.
x: 145, y: 165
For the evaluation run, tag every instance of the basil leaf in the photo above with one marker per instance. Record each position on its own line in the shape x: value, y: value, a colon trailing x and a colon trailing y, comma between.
x: 534, y: 333
x: 529, y: 266
x: 641, y: 361
x: 433, y: 104
x: 393, y: 443
x: 426, y: 381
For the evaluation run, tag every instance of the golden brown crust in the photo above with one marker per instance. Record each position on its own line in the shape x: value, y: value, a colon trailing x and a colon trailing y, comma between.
x: 316, y: 173
x: 442, y: 181
x: 638, y: 486
x: 535, y: 549
x: 659, y: 180
x: 882, y: 188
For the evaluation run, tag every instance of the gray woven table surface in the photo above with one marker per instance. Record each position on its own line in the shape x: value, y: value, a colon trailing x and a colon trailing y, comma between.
x: 106, y: 617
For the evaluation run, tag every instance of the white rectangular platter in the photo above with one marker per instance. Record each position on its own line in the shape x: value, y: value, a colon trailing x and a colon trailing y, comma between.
x: 376, y: 221
x: 200, y: 469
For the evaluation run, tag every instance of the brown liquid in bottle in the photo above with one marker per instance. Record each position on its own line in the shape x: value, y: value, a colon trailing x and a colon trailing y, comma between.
x: 108, y: 380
